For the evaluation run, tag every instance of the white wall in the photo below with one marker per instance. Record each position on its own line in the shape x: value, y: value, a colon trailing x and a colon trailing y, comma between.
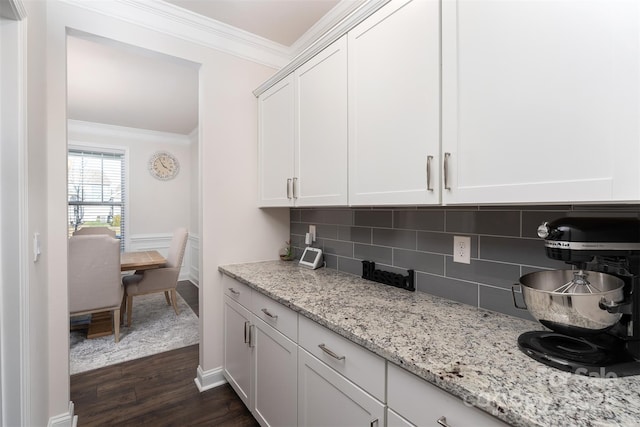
x: 231, y: 228
x: 154, y: 206
x: 39, y: 298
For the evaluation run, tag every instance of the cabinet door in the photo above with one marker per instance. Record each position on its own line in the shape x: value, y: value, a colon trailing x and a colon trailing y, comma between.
x: 321, y: 151
x: 394, y: 105
x: 276, y: 112
x: 395, y: 420
x: 540, y: 101
x: 326, y: 398
x: 275, y: 377
x: 237, y: 353
x: 424, y: 404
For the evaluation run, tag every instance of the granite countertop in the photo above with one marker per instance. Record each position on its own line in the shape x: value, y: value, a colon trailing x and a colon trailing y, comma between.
x: 470, y: 352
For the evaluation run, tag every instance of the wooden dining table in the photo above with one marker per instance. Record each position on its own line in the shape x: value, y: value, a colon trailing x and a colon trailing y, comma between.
x: 141, y: 260
x: 101, y: 323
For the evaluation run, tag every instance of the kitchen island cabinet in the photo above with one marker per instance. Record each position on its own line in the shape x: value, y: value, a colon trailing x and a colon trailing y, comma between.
x: 468, y: 352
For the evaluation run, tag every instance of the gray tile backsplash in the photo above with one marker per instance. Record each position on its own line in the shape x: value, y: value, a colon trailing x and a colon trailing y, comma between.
x: 504, y: 245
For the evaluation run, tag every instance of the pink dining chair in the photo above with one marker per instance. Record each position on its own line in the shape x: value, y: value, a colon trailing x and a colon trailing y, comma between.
x: 163, y: 279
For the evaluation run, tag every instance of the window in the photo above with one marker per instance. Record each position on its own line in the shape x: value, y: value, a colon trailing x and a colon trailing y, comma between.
x: 96, y: 190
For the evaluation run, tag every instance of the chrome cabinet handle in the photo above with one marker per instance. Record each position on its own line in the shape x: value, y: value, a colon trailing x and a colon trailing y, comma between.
x: 446, y: 171
x: 268, y: 313
x: 288, y: 188
x: 295, y: 193
x: 374, y: 423
x: 233, y: 291
x: 443, y: 421
x: 252, y: 329
x: 330, y: 353
x: 429, y: 187
x: 247, y: 335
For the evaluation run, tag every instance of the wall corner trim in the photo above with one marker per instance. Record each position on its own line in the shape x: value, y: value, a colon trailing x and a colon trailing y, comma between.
x: 67, y: 419
x: 207, y: 380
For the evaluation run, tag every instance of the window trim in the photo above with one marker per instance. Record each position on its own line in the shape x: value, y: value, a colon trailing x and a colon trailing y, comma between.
x: 111, y: 149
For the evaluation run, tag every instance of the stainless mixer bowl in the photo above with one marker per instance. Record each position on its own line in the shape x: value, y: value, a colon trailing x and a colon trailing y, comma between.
x: 576, y: 311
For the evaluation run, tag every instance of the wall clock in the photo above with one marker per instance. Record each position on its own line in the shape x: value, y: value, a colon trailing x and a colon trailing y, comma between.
x: 163, y: 165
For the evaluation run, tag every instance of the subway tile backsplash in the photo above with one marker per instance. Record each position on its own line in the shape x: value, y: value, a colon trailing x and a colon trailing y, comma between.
x: 504, y: 245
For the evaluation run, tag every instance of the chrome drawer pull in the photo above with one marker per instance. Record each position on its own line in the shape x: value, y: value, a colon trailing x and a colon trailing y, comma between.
x: 330, y: 353
x: 273, y: 316
x: 374, y: 423
x: 289, y: 188
x: 233, y: 291
x: 443, y: 421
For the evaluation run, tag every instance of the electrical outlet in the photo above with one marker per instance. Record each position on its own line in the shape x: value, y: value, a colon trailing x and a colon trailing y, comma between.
x: 462, y: 249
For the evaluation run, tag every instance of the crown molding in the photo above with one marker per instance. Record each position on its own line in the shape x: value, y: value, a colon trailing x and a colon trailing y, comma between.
x: 78, y: 130
x: 364, y: 11
x: 326, y: 23
x: 186, y: 25
x: 13, y: 9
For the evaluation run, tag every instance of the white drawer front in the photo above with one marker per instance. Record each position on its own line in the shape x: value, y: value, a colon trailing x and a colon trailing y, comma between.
x: 276, y: 315
x: 237, y: 291
x: 354, y: 362
x: 423, y: 404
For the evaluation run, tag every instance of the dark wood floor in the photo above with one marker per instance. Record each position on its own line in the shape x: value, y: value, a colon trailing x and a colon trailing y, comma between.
x: 156, y: 391
x: 189, y: 292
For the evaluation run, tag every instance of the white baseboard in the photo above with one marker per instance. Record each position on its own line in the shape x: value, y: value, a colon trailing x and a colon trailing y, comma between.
x: 209, y: 379
x: 67, y: 419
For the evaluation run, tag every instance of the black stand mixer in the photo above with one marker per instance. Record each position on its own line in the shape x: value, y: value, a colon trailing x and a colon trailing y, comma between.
x: 593, y: 310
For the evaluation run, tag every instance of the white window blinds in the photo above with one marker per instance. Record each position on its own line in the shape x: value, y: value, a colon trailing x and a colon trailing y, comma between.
x: 96, y: 190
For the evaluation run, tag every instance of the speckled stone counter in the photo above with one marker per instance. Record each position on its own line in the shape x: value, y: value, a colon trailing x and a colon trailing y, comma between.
x: 470, y: 352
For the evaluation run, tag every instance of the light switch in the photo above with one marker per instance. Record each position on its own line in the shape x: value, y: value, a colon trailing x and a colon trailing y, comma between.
x: 36, y: 246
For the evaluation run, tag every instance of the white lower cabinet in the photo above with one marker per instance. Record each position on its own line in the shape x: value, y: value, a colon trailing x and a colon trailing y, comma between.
x: 275, y: 376
x: 237, y: 352
x: 261, y: 363
x: 326, y: 398
x: 422, y: 404
x: 289, y: 370
x: 395, y: 420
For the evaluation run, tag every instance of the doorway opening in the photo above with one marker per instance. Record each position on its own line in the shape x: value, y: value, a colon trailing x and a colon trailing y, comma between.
x: 126, y: 104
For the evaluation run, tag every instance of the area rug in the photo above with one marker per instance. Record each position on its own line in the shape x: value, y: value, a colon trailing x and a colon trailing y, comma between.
x: 155, y: 328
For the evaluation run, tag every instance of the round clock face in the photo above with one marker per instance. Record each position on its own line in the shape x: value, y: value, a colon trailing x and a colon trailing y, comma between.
x: 163, y: 165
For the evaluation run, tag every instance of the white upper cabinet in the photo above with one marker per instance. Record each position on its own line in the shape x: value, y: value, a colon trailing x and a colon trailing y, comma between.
x: 394, y: 110
x: 303, y: 134
x: 540, y: 101
x: 321, y: 151
x: 276, y: 117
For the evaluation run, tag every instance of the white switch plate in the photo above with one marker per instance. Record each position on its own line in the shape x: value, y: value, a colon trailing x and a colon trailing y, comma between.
x: 312, y: 231
x: 462, y: 249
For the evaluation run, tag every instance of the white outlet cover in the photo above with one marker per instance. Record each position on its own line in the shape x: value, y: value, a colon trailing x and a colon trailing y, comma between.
x: 462, y: 249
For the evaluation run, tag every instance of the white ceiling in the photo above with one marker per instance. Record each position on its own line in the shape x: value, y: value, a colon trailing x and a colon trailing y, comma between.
x: 117, y: 84
x: 281, y: 21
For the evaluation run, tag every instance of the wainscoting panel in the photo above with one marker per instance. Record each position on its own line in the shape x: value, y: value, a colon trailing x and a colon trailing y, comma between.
x: 161, y: 241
